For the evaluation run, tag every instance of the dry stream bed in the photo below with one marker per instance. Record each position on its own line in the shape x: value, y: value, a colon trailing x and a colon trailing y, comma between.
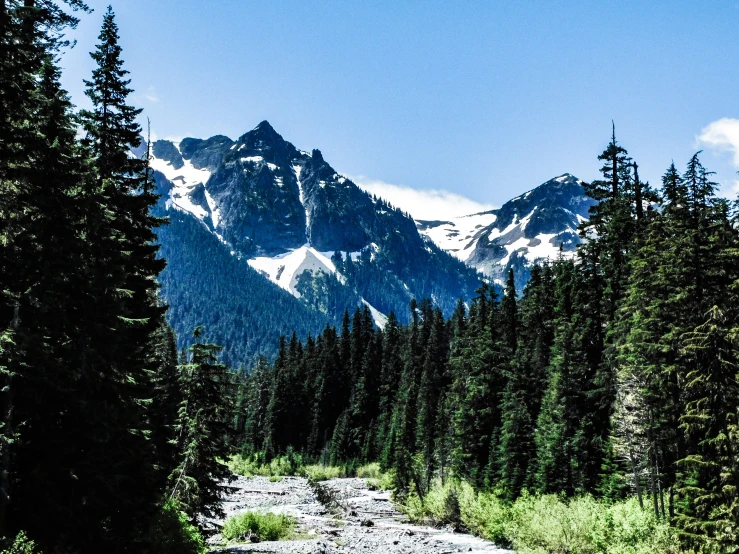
x: 358, y: 520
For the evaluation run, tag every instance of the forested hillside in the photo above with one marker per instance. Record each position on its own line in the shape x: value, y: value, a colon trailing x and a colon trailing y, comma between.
x: 237, y: 306
x: 613, y: 374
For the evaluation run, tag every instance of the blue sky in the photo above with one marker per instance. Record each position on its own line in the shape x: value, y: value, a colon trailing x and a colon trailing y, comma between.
x: 484, y: 100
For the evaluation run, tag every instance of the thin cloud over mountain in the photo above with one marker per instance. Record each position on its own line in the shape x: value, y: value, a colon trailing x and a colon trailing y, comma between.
x: 422, y: 204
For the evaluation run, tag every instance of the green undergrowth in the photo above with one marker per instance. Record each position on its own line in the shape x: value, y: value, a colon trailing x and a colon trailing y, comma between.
x: 281, y: 466
x: 266, y: 526
x: 546, y: 524
x: 295, y: 465
x: 172, y: 532
x: 21, y: 544
x: 376, y: 478
x: 318, y: 472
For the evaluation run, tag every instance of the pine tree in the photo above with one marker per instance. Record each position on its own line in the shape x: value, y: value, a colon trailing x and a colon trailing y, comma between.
x: 257, y: 394
x: 433, y: 382
x: 390, y: 381
x: 710, y: 504
x: 166, y: 401
x: 203, y: 429
x: 36, y: 136
x: 527, y: 379
x: 476, y: 369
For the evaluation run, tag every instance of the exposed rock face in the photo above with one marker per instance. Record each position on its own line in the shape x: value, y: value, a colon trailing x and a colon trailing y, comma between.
x: 537, y: 225
x: 288, y: 211
x: 167, y: 151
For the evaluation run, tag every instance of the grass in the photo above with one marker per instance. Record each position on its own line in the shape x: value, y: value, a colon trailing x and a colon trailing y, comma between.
x: 323, y: 473
x: 383, y: 481
x: 275, y: 479
x: 266, y: 526
x: 291, y: 465
x: 282, y: 466
x: 369, y: 471
x: 547, y: 524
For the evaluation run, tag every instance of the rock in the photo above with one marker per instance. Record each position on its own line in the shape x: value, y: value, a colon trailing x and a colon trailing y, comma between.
x: 367, y: 523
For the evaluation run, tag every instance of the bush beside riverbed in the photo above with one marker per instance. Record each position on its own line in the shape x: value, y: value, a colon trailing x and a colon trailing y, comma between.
x: 292, y: 464
x: 266, y: 526
x: 546, y: 524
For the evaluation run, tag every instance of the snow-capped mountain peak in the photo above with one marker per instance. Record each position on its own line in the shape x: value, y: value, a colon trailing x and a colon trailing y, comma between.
x: 537, y: 225
x: 288, y: 213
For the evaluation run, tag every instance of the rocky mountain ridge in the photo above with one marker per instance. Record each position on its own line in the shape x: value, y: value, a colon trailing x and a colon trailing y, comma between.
x: 286, y: 215
x: 538, y: 225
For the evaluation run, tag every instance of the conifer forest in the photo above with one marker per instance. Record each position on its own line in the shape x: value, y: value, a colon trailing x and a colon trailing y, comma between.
x: 612, y: 375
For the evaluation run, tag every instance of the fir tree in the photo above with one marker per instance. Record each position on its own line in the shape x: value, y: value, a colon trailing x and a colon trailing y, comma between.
x: 203, y: 429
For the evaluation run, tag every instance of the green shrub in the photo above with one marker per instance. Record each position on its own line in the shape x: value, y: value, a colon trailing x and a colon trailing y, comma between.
x: 484, y: 513
x: 322, y: 473
x: 290, y: 464
x: 546, y: 524
x: 172, y: 532
x: 275, y: 479
x: 267, y: 526
x: 386, y: 480
x: 369, y: 471
x: 21, y: 545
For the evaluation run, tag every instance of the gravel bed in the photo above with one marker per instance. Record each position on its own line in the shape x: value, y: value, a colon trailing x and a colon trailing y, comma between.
x: 368, y: 521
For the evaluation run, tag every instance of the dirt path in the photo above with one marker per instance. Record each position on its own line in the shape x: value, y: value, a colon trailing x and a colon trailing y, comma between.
x: 364, y: 521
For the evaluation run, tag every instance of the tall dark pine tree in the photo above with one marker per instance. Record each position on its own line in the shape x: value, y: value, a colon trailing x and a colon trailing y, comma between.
x: 167, y: 398
x: 204, y: 427
x: 476, y: 369
x: 123, y: 313
x: 710, y: 505
x: 31, y: 104
x: 604, y: 259
x: 527, y: 380
x: 434, y: 380
x: 256, y: 395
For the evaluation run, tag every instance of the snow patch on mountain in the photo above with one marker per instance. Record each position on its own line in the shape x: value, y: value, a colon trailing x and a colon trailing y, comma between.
x: 284, y: 269
x: 379, y: 318
x: 301, y: 192
x: 541, y: 224
x: 184, y: 181
x: 457, y: 236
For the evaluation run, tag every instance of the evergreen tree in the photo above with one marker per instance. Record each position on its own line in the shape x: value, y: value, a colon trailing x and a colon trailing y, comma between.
x: 203, y: 430
x: 527, y: 379
x: 257, y: 393
x: 710, y: 505
x: 476, y: 367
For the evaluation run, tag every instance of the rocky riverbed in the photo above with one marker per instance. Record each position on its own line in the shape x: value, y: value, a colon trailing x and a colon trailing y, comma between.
x: 348, y: 518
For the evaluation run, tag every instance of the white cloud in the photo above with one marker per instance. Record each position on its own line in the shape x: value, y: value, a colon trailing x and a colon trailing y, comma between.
x: 422, y: 204
x: 151, y: 95
x: 723, y: 136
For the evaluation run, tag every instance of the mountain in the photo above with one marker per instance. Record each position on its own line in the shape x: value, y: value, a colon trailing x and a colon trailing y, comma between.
x: 534, y: 226
x: 271, y: 238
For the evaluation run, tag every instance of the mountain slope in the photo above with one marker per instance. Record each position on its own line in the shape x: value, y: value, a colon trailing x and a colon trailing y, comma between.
x: 537, y: 225
x: 240, y: 309
x: 289, y: 216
